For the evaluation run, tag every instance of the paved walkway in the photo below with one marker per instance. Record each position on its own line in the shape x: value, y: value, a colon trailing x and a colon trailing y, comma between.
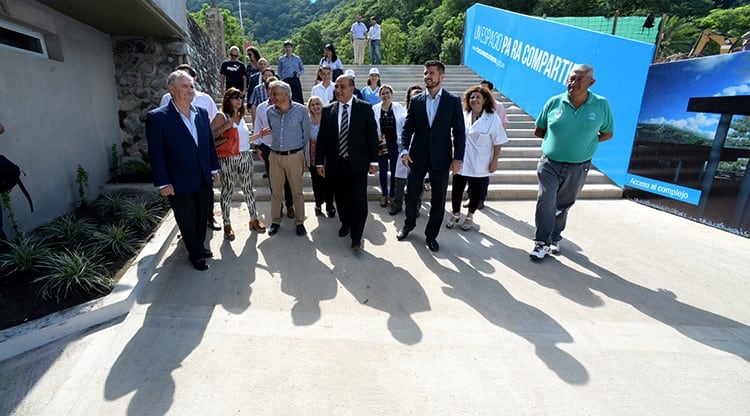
x: 644, y: 313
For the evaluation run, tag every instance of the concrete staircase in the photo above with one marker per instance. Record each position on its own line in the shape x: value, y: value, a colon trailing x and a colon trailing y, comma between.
x: 515, y: 178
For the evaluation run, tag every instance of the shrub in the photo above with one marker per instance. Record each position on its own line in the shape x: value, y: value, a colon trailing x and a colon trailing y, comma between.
x: 70, y: 272
x: 69, y: 230
x: 109, y: 204
x: 23, y: 255
x: 117, y: 238
x: 140, y: 215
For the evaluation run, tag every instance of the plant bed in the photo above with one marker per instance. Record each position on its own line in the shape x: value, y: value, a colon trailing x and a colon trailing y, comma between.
x: 76, y: 268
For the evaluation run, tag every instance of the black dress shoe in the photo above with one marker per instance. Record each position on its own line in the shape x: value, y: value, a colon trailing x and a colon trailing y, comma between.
x: 213, y: 224
x: 356, y: 245
x: 200, y: 264
x: 432, y: 244
x: 344, y: 230
x: 208, y: 254
x: 403, y: 233
x: 331, y: 213
x: 394, y: 210
x: 273, y: 229
x: 300, y: 230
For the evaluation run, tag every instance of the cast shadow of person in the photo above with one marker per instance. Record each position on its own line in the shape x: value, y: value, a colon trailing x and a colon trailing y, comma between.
x: 182, y: 301
x: 491, y: 300
x: 302, y: 275
x: 547, y: 273
x: 378, y: 284
x: 661, y: 304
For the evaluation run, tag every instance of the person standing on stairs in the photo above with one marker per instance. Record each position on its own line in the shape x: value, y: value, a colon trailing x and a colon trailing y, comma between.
x: 571, y: 124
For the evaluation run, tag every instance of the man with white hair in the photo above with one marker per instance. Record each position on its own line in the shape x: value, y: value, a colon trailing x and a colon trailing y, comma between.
x: 290, y: 131
x: 571, y: 124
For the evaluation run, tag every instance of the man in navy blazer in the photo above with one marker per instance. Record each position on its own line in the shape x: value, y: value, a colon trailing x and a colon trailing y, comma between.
x: 427, y: 147
x: 184, y: 162
x: 348, y: 169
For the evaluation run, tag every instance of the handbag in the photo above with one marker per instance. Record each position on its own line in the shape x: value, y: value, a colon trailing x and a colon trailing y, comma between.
x: 228, y: 144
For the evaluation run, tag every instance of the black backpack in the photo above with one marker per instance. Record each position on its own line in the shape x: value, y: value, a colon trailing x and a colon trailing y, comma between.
x: 10, y: 176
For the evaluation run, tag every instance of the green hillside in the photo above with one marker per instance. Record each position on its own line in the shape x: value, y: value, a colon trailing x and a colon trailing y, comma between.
x: 417, y: 30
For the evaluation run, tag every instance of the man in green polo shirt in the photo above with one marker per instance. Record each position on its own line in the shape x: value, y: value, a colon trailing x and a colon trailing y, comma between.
x: 571, y: 125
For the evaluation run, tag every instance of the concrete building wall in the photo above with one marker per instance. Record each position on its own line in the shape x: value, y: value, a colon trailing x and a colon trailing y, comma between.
x: 57, y: 113
x: 176, y: 11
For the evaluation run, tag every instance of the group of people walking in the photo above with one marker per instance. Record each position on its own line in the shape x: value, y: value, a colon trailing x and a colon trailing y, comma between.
x: 341, y: 139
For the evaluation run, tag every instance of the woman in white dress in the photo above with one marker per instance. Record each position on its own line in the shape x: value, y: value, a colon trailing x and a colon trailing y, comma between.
x: 484, y: 138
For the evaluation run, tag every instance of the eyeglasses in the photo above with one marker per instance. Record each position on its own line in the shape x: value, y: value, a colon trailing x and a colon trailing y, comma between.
x: 233, y: 55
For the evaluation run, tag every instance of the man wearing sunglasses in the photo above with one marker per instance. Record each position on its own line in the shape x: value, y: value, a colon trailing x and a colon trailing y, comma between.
x: 233, y: 72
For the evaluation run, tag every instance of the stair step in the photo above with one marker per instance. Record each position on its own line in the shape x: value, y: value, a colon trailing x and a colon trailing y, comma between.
x: 495, y: 192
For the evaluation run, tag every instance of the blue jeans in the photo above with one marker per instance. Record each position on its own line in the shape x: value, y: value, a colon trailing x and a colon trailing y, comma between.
x: 559, y: 186
x: 375, y: 57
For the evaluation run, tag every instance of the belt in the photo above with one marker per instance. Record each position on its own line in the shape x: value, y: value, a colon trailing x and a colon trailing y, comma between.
x: 286, y: 153
x: 359, y: 38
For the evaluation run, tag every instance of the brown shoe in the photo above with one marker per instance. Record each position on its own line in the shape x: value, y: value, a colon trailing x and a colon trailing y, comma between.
x: 228, y: 233
x: 290, y: 212
x: 257, y: 226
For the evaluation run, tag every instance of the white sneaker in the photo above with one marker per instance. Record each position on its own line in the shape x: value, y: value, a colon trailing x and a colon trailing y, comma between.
x: 554, y: 247
x: 539, y: 252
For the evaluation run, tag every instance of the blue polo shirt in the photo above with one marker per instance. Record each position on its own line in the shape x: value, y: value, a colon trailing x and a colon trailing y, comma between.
x: 572, y: 134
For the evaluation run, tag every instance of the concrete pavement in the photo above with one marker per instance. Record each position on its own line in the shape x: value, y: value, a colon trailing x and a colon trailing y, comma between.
x: 644, y: 313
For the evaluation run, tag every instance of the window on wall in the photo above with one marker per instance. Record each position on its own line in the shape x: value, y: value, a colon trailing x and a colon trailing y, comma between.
x: 22, y: 39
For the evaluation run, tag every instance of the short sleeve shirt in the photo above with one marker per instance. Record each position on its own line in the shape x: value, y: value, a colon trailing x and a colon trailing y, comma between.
x: 572, y: 135
x: 234, y: 71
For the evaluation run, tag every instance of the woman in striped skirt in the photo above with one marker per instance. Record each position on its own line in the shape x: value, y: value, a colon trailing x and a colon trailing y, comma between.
x: 237, y: 166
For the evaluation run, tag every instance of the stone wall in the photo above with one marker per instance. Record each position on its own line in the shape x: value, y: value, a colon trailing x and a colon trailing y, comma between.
x: 142, y: 65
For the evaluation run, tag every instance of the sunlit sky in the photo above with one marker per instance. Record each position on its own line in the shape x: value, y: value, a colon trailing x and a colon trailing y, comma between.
x: 671, y: 85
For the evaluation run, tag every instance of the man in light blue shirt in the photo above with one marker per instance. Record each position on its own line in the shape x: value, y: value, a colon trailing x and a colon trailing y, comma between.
x: 290, y: 131
x: 290, y: 69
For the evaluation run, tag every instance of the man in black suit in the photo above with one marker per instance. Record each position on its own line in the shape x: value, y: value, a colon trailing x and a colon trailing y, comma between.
x: 346, y: 151
x: 426, y: 147
x: 184, y: 162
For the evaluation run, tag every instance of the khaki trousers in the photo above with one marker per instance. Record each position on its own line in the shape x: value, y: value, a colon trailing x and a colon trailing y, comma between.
x: 290, y: 168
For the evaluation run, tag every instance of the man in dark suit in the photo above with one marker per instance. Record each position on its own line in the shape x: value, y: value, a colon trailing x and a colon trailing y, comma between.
x: 426, y: 147
x: 346, y: 151
x: 184, y: 162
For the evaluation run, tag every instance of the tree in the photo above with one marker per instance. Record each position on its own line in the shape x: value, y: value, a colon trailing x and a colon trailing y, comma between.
x: 731, y: 21
x: 393, y: 42
x: 232, y: 31
x: 309, y: 43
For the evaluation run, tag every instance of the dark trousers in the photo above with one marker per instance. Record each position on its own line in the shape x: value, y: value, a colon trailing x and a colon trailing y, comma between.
x: 350, y: 190
x: 266, y: 151
x: 322, y: 189
x: 475, y: 191
x: 191, y: 215
x: 296, y: 86
x: 439, y: 187
x: 483, y: 192
x: 387, y: 164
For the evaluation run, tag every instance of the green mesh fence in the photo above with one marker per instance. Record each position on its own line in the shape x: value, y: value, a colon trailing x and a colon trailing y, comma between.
x: 630, y: 27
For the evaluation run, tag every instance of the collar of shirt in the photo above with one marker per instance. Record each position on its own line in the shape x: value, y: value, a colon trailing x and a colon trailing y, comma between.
x: 189, y: 122
x: 290, y: 129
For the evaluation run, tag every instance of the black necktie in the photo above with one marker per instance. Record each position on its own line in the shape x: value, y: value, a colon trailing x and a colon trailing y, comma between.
x: 344, y: 133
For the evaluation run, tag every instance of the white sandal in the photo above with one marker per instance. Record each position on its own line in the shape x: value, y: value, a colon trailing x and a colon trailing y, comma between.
x: 468, y: 224
x: 455, y: 218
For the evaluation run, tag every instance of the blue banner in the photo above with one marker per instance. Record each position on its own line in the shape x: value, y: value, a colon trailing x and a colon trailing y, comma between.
x: 670, y: 190
x: 529, y: 59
